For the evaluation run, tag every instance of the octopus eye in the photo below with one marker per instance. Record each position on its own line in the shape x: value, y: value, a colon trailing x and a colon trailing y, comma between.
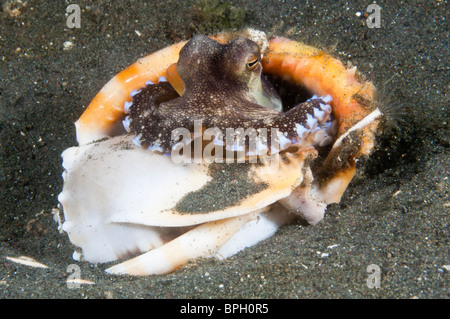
x: 252, y: 63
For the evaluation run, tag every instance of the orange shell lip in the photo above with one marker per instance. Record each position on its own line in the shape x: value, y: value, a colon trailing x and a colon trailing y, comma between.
x: 309, y: 67
x: 106, y: 112
x: 321, y: 74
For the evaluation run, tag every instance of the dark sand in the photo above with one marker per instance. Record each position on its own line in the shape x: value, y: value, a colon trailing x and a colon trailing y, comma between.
x: 395, y: 215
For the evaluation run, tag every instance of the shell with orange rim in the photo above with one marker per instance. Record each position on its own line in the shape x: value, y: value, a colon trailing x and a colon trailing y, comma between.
x: 163, y: 175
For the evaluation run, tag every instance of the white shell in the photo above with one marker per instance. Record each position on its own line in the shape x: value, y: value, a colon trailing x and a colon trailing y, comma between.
x: 119, y: 200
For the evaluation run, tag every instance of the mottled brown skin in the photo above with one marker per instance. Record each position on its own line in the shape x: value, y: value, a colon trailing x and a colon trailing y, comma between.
x: 223, y: 86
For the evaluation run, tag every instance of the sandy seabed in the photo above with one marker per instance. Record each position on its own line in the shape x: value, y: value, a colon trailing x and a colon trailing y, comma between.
x: 394, y: 214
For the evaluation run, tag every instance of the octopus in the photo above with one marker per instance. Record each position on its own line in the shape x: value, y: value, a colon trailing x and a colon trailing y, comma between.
x: 208, y: 146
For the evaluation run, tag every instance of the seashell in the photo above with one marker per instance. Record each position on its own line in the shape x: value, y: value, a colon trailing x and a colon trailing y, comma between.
x: 126, y: 196
x: 27, y: 261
